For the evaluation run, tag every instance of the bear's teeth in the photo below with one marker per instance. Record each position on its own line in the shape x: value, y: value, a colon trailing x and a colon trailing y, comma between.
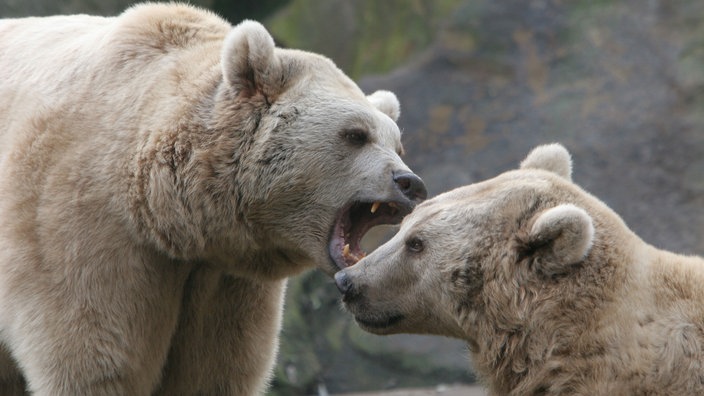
x: 375, y: 206
x: 346, y: 250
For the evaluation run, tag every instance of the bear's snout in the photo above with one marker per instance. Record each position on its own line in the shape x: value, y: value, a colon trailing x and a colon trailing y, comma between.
x: 343, y: 282
x: 411, y: 185
x: 351, y: 293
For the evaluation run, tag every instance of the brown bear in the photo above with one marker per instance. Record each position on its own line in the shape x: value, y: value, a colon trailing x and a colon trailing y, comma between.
x: 551, y: 290
x: 161, y: 174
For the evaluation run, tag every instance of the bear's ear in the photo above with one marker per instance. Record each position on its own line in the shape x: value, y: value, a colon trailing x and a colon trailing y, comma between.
x: 248, y: 60
x: 559, y: 238
x: 387, y: 103
x: 550, y: 157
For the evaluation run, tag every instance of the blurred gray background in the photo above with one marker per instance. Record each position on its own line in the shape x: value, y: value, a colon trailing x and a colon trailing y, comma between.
x: 620, y: 83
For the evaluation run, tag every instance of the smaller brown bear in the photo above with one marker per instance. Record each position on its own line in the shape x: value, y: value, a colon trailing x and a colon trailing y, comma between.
x: 551, y: 290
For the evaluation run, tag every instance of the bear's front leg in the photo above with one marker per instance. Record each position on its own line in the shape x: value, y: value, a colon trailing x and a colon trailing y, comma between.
x: 98, y: 328
x: 227, y: 336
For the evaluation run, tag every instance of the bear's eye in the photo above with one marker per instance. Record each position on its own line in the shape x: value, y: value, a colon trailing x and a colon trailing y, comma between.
x: 356, y: 137
x: 415, y: 245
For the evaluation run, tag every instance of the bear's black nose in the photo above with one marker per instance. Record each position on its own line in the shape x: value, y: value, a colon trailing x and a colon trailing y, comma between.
x: 411, y: 185
x: 343, y: 282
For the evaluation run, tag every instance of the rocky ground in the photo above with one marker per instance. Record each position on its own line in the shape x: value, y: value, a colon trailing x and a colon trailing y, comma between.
x: 442, y: 390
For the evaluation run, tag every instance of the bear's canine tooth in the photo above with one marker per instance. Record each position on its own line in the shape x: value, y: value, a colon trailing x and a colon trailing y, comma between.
x: 346, y: 250
x: 375, y: 206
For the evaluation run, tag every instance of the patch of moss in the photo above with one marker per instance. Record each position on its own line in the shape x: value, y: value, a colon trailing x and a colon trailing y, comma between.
x: 362, y: 37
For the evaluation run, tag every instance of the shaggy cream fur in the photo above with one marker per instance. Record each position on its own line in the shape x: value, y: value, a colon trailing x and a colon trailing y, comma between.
x: 551, y: 290
x: 161, y: 174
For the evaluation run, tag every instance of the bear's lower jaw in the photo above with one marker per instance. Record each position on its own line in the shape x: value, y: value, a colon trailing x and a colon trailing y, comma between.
x: 378, y: 324
x: 354, y: 220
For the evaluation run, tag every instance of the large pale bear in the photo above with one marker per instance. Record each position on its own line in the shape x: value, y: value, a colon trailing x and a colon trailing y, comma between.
x: 551, y: 290
x: 161, y: 174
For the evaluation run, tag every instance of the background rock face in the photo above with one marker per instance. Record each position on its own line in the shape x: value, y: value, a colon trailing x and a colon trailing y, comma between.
x: 481, y: 82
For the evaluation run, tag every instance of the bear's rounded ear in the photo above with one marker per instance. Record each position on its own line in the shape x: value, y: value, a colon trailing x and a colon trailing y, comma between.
x: 550, y: 157
x: 248, y: 59
x: 559, y: 238
x: 387, y: 103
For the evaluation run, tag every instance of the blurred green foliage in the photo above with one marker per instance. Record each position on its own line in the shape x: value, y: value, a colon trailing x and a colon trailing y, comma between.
x: 378, y: 35
x: 234, y: 11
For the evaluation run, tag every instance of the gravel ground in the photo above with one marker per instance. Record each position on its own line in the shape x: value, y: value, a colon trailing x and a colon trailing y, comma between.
x: 442, y: 390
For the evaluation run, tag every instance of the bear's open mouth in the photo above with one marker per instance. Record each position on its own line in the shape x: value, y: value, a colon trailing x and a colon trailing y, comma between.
x: 354, y: 221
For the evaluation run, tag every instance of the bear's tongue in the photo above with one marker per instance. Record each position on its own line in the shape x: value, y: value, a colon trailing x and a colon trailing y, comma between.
x: 353, y: 224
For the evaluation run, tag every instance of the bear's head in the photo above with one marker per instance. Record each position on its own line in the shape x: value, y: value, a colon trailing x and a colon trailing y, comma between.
x: 288, y: 165
x: 490, y: 257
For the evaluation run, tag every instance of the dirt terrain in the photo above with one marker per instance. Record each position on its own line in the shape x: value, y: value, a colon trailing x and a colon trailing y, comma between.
x: 441, y: 390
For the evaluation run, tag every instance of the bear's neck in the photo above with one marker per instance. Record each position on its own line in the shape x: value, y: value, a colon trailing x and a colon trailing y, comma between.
x: 590, y: 329
x: 228, y: 137
x: 199, y: 146
x: 527, y: 335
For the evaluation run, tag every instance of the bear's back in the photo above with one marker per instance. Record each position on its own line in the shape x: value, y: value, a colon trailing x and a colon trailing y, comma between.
x: 156, y: 29
x: 52, y: 51
x: 150, y: 61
